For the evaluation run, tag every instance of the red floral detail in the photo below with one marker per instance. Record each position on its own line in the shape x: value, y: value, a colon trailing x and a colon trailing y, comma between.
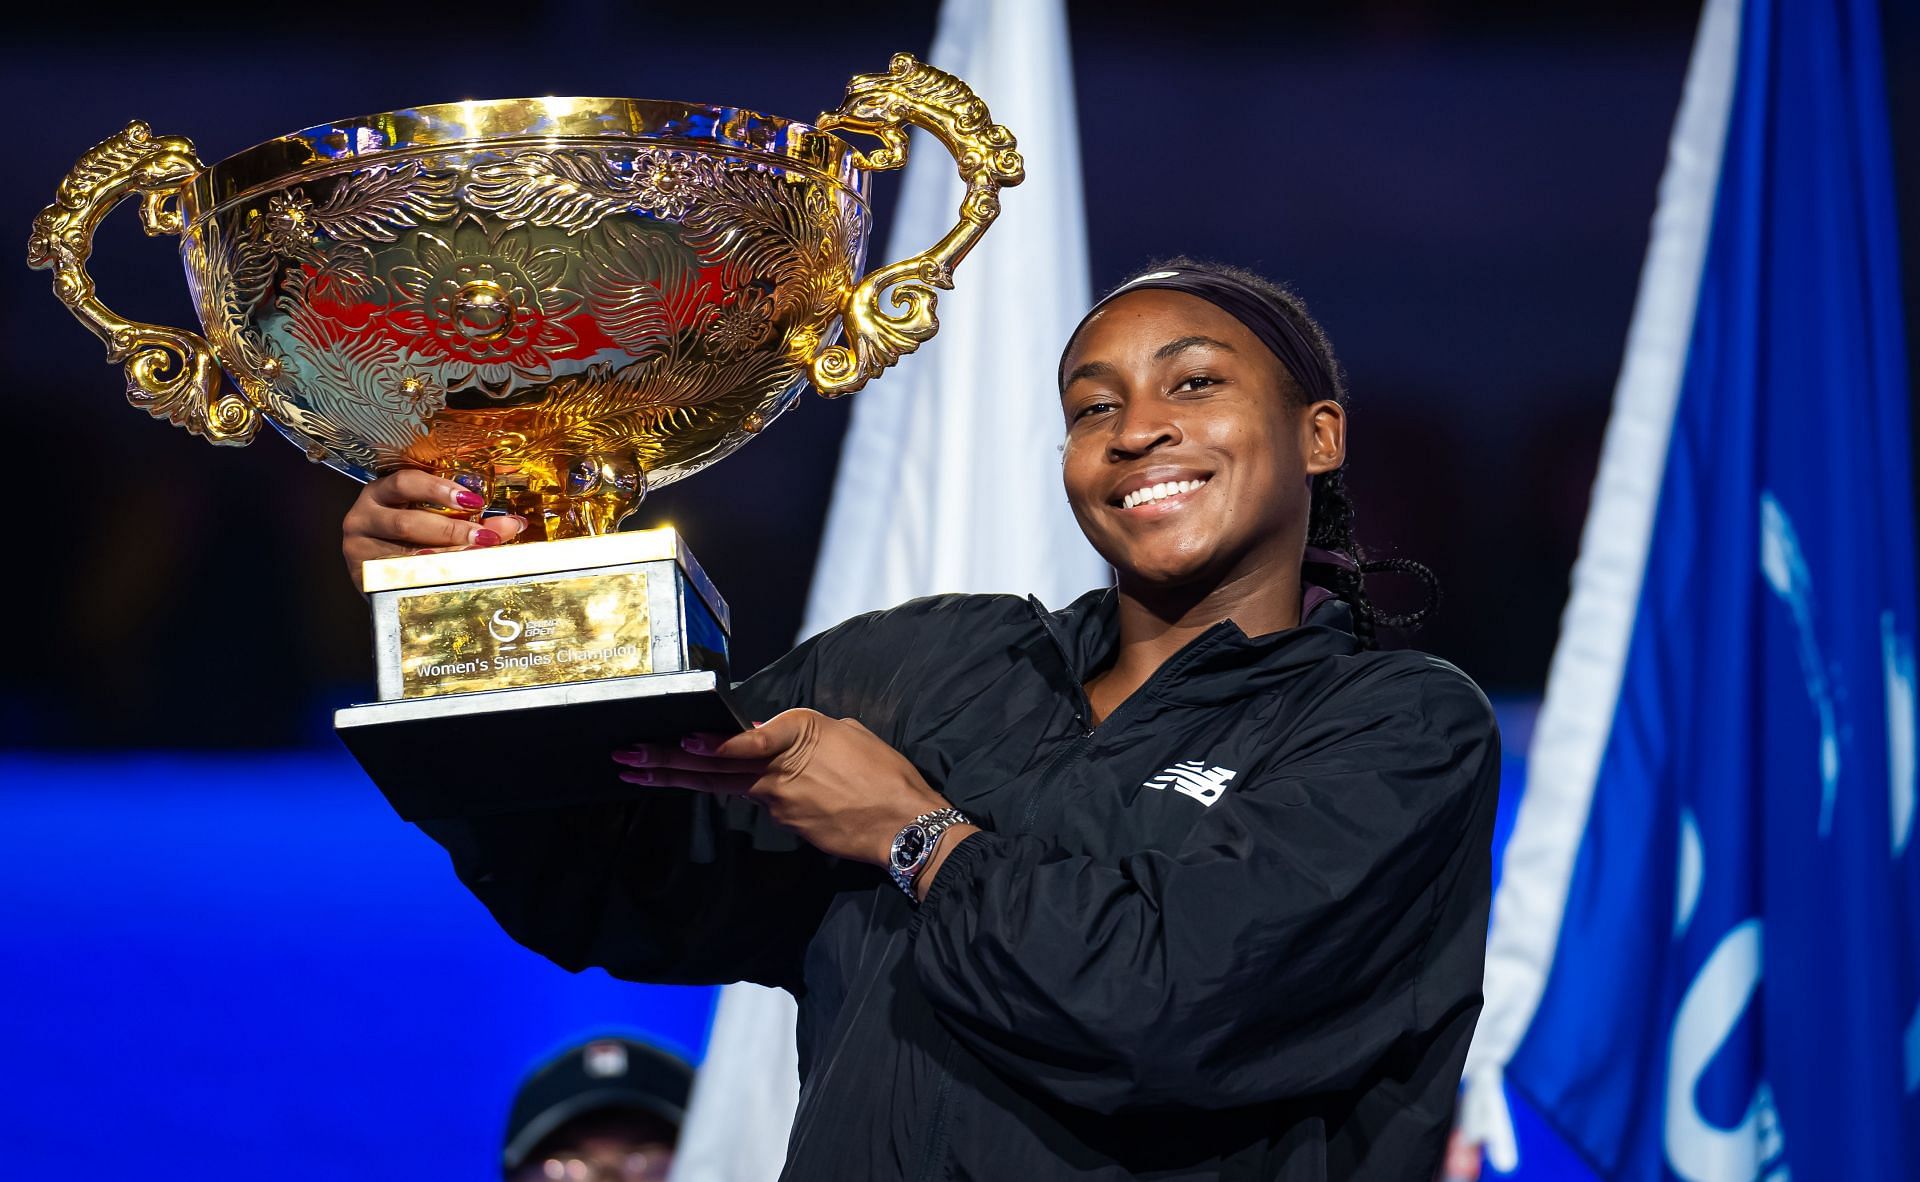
x: 492, y: 312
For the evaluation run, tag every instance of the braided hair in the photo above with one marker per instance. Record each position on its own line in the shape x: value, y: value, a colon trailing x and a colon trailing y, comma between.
x: 1330, y: 519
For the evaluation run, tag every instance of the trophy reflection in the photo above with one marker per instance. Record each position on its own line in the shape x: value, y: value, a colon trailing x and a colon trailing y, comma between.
x: 559, y: 303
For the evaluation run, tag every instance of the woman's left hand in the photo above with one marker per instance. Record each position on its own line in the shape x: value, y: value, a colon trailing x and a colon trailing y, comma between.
x: 830, y: 780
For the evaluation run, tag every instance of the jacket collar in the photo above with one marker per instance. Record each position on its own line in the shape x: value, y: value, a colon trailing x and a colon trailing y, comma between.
x: 1221, y: 662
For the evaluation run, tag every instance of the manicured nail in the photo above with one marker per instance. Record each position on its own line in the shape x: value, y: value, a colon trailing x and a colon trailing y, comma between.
x: 632, y: 757
x: 637, y: 777
x: 485, y: 537
x: 698, y: 744
x: 469, y: 500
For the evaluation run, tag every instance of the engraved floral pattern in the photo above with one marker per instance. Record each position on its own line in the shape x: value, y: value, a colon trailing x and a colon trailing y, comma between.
x: 288, y: 223
x: 644, y: 306
x: 577, y: 189
x: 344, y: 272
x: 421, y: 391
x: 670, y: 181
x: 491, y: 311
x: 369, y: 412
x: 742, y: 324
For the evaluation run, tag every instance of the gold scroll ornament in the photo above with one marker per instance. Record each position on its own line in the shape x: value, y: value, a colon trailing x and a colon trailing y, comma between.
x: 884, y: 105
x: 171, y: 373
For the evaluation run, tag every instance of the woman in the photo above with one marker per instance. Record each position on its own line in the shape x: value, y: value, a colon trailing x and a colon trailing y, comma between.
x: 1213, y: 896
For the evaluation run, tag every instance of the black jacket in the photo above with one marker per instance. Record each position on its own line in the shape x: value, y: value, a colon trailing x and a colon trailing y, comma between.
x: 1234, y: 932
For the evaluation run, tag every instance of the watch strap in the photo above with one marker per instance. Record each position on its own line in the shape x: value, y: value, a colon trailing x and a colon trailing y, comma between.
x: 931, y: 827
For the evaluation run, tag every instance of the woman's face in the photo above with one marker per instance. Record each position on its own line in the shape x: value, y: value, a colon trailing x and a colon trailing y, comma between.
x: 1184, y: 462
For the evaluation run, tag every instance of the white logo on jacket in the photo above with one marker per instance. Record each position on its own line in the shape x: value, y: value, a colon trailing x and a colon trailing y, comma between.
x: 1194, y: 778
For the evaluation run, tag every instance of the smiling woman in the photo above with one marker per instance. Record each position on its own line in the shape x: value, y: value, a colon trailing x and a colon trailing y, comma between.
x: 1276, y: 370
x: 1192, y: 881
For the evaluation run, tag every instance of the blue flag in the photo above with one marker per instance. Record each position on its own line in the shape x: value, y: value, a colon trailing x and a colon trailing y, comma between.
x: 1705, y: 962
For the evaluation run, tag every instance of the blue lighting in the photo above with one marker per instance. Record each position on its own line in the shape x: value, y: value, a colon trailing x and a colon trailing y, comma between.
x: 247, y: 965
x: 248, y: 962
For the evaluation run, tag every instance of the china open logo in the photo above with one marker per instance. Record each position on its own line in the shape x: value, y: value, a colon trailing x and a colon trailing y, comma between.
x: 504, y: 629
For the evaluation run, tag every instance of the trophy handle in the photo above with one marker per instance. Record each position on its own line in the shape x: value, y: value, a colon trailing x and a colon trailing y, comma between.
x: 885, y: 105
x: 171, y: 373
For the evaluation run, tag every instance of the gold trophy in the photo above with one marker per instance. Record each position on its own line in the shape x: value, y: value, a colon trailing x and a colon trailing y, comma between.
x: 559, y: 303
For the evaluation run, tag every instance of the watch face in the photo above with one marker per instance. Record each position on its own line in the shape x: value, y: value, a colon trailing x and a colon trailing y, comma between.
x: 908, y: 846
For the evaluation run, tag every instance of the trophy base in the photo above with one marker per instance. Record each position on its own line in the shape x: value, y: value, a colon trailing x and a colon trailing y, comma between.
x: 519, y: 750
x: 542, y: 614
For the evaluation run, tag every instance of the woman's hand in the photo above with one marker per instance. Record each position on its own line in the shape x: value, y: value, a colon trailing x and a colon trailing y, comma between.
x: 414, y: 512
x: 830, y: 780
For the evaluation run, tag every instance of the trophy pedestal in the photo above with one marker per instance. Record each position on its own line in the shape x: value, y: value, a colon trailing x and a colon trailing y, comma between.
x: 514, y: 750
x: 507, y: 676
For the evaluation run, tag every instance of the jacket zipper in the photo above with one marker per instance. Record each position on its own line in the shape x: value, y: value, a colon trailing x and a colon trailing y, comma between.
x: 1082, y: 713
x: 936, y: 1141
x: 1075, y: 748
x: 935, y: 1154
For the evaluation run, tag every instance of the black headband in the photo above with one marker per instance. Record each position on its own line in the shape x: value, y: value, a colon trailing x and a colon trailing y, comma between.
x: 1250, y: 306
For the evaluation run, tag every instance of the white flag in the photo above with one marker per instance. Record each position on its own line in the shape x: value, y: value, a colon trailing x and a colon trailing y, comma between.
x: 949, y: 479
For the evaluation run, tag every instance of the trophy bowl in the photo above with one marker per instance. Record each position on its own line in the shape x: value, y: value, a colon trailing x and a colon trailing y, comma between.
x: 558, y: 302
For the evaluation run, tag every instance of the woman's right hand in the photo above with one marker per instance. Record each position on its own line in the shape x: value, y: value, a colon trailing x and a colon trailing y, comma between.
x: 415, y: 512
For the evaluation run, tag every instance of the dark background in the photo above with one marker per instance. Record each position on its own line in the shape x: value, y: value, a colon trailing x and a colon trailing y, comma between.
x: 1461, y: 190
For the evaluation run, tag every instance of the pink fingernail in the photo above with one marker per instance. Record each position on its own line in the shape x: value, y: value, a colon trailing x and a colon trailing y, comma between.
x: 631, y: 757
x: 698, y: 744
x: 469, y: 500
x: 485, y: 537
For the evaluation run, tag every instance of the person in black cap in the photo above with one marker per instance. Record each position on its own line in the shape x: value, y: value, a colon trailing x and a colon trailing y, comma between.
x: 606, y: 1110
x: 1186, y: 880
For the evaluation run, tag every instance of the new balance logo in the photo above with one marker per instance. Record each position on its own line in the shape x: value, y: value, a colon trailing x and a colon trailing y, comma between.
x: 1194, y: 778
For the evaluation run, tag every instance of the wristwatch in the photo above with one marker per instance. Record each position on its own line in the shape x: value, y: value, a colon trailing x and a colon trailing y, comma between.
x: 913, y: 846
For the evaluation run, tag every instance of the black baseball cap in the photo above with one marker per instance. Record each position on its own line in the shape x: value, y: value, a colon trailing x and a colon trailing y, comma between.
x: 610, y: 1071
